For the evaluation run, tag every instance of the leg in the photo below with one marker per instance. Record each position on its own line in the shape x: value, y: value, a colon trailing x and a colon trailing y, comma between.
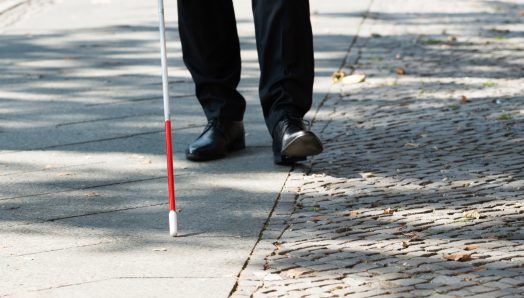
x: 285, y: 51
x: 212, y: 54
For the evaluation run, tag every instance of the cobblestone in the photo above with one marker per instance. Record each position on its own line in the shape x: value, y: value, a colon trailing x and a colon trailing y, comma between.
x: 406, y: 155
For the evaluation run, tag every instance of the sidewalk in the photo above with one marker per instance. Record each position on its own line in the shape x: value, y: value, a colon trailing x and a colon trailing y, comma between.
x: 409, y: 153
x: 83, y: 197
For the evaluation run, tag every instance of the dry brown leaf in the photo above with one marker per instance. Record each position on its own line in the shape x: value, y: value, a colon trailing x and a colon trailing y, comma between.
x: 452, y: 38
x: 65, y: 174
x: 466, y: 185
x: 445, y: 179
x: 488, y: 155
x: 460, y: 129
x: 91, y: 194
x: 477, y: 270
x: 457, y: 257
x: 445, y: 46
x: 191, y: 124
x: 145, y: 162
x: 520, y: 13
x: 136, y: 156
x: 178, y: 210
x: 320, y: 218
x: 467, y: 279
x: 471, y: 214
x: 6, y: 166
x: 400, y: 71
x: 354, y: 79
x: 387, y: 211
x: 337, y: 77
x: 159, y: 249
x: 492, y: 237
x: 353, y: 213
x: 463, y: 101
x: 411, y: 144
x: 405, y: 244
x: 238, y: 236
x: 294, y: 273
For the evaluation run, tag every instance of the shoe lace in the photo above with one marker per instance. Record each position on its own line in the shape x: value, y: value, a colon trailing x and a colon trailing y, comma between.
x: 288, y: 119
x: 213, y: 122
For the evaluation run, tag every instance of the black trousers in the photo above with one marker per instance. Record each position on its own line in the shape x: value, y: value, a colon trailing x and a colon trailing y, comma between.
x: 211, y: 51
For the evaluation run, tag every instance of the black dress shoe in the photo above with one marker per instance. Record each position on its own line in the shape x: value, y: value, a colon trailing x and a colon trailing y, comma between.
x: 219, y: 137
x: 293, y: 142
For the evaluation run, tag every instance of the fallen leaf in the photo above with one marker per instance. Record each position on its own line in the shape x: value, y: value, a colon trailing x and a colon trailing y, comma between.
x: 447, y: 166
x: 320, y: 218
x: 91, y: 194
x: 471, y: 214
x: 457, y: 257
x: 178, y: 210
x: 460, y: 129
x: 445, y: 179
x: 319, y: 175
x: 387, y: 211
x: 405, y: 244
x: 6, y: 166
x: 367, y: 175
x: 159, y: 249
x: 238, y: 236
x: 191, y: 124
x: 445, y: 46
x: 398, y: 57
x: 354, y: 79
x: 467, y: 279
x: 491, y: 237
x: 294, y: 273
x: 466, y: 185
x: 337, y: 77
x: 411, y: 144
x: 452, y: 38
x: 477, y: 270
x: 136, y: 156
x: 65, y: 174
x: 520, y: 13
x: 487, y: 156
x: 463, y: 101
x: 145, y: 162
x: 400, y: 71
x: 353, y: 213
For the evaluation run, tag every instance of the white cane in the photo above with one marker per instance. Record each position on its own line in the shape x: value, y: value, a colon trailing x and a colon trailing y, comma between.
x: 173, y: 230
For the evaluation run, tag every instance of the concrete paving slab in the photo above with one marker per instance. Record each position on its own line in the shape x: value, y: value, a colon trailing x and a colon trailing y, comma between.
x: 141, y: 287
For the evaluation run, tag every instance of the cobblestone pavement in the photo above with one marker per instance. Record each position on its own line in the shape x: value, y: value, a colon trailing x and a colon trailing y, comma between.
x: 406, y: 155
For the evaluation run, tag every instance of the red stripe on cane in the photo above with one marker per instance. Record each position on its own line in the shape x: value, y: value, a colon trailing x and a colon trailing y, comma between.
x: 170, y: 180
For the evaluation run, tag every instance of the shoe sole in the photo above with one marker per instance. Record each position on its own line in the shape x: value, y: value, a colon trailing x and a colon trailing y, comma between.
x: 238, y: 145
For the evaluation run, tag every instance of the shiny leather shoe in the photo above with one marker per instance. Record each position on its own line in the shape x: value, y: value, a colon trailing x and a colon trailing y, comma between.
x: 219, y: 137
x: 293, y: 142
